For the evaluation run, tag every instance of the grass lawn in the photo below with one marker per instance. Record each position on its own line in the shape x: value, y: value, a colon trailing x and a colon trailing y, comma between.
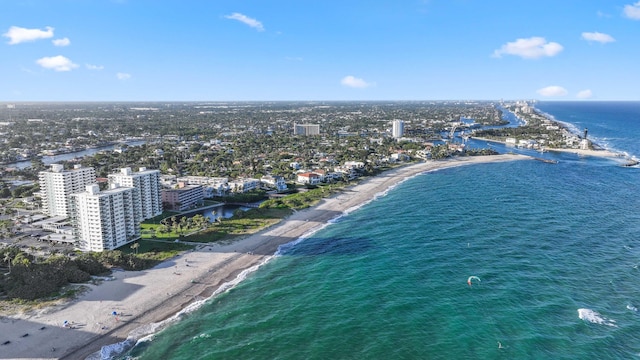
x: 225, y: 230
x: 156, y: 250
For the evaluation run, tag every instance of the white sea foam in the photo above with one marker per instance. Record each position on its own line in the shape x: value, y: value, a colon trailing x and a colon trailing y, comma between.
x: 632, y: 308
x: 202, y: 336
x: 111, y: 351
x: 595, y: 317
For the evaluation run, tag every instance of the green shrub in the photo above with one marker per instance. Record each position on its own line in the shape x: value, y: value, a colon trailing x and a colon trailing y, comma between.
x: 90, y: 264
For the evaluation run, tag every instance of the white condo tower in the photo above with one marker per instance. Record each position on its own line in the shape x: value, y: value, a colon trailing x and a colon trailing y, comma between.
x: 104, y: 220
x: 147, y: 192
x: 57, y: 184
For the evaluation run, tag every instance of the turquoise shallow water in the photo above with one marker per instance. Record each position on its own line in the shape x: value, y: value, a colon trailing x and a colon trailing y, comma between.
x: 556, y: 248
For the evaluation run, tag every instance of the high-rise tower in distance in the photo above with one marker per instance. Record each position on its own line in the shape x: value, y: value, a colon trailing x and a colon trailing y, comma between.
x: 398, y: 129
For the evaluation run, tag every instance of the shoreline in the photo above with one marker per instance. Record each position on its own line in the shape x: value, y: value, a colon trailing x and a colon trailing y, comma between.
x: 582, y: 152
x: 141, y: 299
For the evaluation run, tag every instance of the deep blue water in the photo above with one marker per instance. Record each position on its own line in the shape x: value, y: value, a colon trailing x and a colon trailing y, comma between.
x: 556, y: 248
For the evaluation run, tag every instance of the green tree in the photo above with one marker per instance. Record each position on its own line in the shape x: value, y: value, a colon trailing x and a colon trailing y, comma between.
x: 5, y: 193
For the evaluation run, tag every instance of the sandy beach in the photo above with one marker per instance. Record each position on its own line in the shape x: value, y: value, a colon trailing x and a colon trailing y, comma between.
x: 588, y: 152
x: 130, y: 302
x: 582, y: 152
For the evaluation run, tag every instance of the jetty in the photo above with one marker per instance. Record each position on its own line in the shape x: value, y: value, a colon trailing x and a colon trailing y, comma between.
x: 548, y: 161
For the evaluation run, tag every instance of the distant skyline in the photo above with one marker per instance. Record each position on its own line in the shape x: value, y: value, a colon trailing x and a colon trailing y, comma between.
x: 278, y: 50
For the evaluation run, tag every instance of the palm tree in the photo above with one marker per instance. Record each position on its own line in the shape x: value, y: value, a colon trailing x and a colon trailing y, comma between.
x: 135, y: 247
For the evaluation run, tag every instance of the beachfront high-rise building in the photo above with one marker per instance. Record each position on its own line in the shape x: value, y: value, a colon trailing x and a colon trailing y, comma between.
x: 57, y: 184
x: 398, y: 129
x: 147, y: 190
x: 306, y: 129
x: 104, y: 220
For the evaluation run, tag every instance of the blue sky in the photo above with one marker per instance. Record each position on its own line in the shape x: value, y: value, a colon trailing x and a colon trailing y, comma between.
x: 225, y: 50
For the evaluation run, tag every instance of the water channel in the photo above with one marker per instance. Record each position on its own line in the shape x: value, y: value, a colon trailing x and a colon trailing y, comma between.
x: 47, y: 160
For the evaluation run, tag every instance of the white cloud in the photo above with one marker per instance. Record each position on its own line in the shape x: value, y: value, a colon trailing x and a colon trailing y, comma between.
x: 530, y: 48
x: 123, y: 76
x: 354, y: 82
x: 61, y: 42
x: 18, y: 34
x: 632, y: 11
x: 57, y: 63
x: 94, y: 67
x: 553, y: 91
x: 246, y: 20
x: 584, y: 94
x: 597, y: 37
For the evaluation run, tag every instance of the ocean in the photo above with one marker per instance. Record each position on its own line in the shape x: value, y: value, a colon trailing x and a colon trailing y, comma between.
x: 555, y: 249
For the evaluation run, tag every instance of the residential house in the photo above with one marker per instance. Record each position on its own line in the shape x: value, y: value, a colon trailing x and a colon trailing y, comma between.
x: 274, y: 181
x: 308, y: 178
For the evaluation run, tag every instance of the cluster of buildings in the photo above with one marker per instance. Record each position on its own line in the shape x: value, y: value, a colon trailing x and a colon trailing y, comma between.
x: 94, y: 219
x: 104, y: 214
x: 78, y: 211
x: 350, y: 171
x: 185, y: 192
x: 562, y: 137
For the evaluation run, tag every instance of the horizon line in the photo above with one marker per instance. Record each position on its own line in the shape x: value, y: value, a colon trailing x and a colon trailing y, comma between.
x: 9, y: 102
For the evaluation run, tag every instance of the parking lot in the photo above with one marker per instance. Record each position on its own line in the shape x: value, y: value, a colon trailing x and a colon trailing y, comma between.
x: 30, y: 238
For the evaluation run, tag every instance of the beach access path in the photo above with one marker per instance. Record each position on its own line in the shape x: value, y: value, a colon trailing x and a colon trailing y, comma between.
x: 130, y: 303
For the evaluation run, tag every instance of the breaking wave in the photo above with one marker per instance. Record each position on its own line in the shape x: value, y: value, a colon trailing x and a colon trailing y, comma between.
x: 595, y: 317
